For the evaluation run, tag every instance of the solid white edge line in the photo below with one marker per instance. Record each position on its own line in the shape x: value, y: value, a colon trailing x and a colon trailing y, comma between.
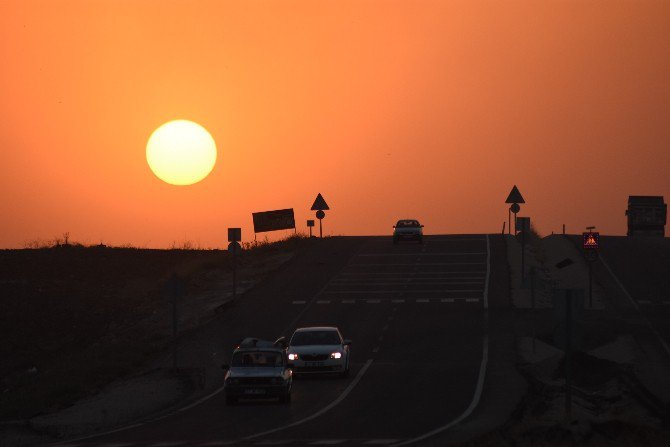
x: 339, y: 399
x: 637, y: 307
x: 482, y: 367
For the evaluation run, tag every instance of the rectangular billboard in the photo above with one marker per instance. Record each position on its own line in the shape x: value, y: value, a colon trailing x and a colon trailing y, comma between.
x: 273, y: 220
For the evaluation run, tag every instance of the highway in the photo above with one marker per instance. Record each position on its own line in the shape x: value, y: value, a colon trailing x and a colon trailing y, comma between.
x: 417, y: 315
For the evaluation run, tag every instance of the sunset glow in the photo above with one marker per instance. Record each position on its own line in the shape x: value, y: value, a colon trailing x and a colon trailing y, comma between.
x: 391, y: 109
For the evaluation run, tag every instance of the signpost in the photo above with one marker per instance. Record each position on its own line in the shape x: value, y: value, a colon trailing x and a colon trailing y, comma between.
x: 310, y: 224
x: 174, y: 289
x: 319, y: 206
x: 515, y: 198
x: 234, y: 237
x: 524, y: 223
x: 591, y: 244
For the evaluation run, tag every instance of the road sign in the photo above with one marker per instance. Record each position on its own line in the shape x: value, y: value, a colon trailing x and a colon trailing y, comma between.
x: 591, y: 240
x: 310, y: 223
x: 319, y: 204
x: 273, y: 220
x: 234, y: 234
x: 320, y: 214
x: 515, y: 208
x: 515, y: 196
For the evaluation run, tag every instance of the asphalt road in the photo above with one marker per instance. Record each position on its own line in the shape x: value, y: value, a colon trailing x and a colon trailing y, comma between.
x: 416, y: 314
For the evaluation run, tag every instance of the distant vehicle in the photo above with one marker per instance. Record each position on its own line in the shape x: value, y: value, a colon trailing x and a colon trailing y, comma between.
x: 258, y: 369
x: 647, y: 216
x: 407, y: 229
x: 319, y: 350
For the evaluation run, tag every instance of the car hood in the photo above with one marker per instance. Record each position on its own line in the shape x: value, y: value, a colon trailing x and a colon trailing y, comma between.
x: 315, y: 349
x: 244, y: 371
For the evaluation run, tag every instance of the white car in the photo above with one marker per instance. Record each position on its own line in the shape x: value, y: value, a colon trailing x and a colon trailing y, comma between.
x: 319, y: 350
x: 407, y: 229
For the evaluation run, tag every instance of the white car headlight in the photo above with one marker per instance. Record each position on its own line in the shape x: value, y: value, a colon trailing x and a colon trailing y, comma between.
x: 293, y: 356
x: 336, y: 355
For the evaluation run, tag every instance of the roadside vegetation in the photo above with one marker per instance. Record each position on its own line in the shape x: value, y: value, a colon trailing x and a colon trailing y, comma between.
x: 74, y: 318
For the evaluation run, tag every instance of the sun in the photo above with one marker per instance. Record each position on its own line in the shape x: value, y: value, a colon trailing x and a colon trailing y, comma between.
x: 181, y: 152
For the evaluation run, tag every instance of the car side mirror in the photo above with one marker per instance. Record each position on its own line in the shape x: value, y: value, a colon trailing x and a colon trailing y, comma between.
x: 347, y: 342
x: 225, y: 366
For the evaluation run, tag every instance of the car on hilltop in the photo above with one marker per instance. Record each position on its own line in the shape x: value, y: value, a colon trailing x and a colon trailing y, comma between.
x: 407, y: 229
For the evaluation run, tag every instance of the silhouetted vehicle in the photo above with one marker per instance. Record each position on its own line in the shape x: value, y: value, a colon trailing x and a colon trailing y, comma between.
x: 646, y: 216
x: 319, y: 350
x: 407, y: 229
x: 258, y: 369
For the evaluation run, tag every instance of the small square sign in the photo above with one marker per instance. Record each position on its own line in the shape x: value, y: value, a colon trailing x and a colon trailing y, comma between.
x: 310, y: 223
x: 234, y: 234
x: 591, y: 240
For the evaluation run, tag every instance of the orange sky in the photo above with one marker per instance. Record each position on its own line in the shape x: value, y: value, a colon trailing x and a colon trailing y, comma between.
x: 390, y: 109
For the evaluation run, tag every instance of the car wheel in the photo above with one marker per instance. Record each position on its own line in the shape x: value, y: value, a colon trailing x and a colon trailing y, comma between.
x: 231, y: 400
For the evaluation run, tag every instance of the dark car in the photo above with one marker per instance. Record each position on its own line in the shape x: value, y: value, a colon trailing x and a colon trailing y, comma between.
x: 258, y: 369
x: 407, y: 229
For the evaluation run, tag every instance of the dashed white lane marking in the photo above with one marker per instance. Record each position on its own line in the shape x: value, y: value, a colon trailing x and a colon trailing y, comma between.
x: 299, y: 302
x: 323, y: 302
x: 325, y: 409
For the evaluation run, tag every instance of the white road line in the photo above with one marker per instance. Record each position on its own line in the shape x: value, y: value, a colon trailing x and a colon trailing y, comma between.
x: 630, y: 298
x: 323, y: 302
x: 334, y: 403
x: 358, y: 264
x: 299, y: 302
x: 482, y: 368
x: 445, y: 253
x: 472, y: 300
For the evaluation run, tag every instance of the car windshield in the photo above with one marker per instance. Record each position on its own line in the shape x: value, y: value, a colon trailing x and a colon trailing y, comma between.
x: 407, y: 223
x: 303, y: 338
x: 257, y: 358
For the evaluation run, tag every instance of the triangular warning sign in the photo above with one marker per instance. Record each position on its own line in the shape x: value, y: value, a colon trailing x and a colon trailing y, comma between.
x: 515, y: 196
x: 319, y: 204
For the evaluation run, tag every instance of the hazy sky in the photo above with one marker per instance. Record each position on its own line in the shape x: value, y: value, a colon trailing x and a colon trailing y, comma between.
x: 390, y: 109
